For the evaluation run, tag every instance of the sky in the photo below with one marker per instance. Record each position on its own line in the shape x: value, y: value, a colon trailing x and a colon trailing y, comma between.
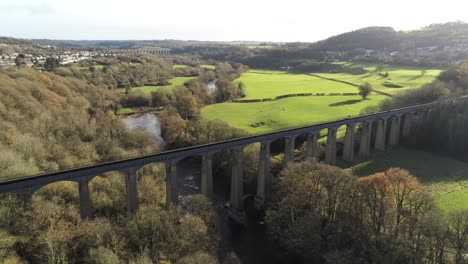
x: 217, y: 20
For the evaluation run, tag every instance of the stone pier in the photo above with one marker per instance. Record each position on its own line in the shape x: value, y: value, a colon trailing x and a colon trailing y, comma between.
x: 207, y: 175
x: 394, y: 137
x: 288, y: 150
x: 27, y: 197
x: 311, y: 145
x: 380, y: 135
x: 132, y: 193
x: 86, y: 211
x: 237, y: 184
x: 365, y: 142
x: 330, y: 151
x: 406, y: 130
x: 171, y: 183
x: 348, y: 149
x: 264, y: 176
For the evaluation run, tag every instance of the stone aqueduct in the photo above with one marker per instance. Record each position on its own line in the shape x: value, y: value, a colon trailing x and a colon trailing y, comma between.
x: 399, y: 122
x: 159, y: 51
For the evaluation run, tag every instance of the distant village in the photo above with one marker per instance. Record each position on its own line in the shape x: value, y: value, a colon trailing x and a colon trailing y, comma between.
x: 35, y: 57
x: 453, y: 53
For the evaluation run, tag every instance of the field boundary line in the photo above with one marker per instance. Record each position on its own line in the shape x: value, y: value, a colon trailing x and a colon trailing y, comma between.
x: 346, y: 82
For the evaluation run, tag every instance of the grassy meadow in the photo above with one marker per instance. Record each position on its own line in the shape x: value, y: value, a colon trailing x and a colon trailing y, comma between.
x: 301, y: 111
x: 269, y: 84
x: 126, y: 111
x: 407, y: 77
x: 288, y: 112
x: 208, y: 66
x: 176, y: 81
x: 445, y: 178
x: 180, y: 66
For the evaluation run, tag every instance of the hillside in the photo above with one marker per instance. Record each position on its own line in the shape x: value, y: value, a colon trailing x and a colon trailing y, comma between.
x: 376, y: 38
x: 388, y: 39
x: 437, y: 44
x: 48, y: 122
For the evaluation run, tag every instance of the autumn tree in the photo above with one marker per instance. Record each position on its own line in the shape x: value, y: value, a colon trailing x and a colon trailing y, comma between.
x: 403, y: 186
x: 185, y: 102
x: 458, y: 226
x: 159, y: 98
x: 308, y: 199
x: 376, y: 202
x: 173, y: 128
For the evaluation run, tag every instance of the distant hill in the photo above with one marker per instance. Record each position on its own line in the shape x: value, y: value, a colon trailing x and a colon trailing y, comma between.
x: 15, y: 41
x: 439, y: 34
x: 437, y: 45
x: 375, y: 38
x: 386, y: 38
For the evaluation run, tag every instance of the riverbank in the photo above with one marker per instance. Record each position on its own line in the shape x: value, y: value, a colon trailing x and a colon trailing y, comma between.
x: 135, y: 111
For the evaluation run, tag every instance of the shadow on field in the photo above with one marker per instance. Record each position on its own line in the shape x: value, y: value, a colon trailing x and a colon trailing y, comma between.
x: 347, y: 102
x: 367, y: 76
x: 415, y: 77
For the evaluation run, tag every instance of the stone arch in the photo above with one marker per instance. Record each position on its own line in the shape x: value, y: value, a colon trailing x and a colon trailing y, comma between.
x: 340, y: 135
x: 256, y: 170
x: 277, y: 154
x: 305, y: 144
x: 311, y: 148
x: 189, y: 175
x: 251, y: 164
x: 73, y: 191
x: 151, y: 183
x: 111, y: 193
x: 289, y: 149
x: 69, y: 187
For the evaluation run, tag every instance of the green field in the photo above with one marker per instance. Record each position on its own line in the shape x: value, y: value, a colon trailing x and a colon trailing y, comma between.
x: 126, y: 111
x: 287, y: 112
x: 208, y: 66
x: 180, y: 66
x: 301, y: 111
x: 176, y: 81
x: 408, y: 77
x: 446, y: 179
x: 97, y: 67
x: 183, y: 66
x: 269, y: 84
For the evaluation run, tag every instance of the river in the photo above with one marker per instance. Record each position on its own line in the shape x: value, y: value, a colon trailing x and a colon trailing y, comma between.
x: 211, y: 86
x: 249, y: 242
x: 148, y: 121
